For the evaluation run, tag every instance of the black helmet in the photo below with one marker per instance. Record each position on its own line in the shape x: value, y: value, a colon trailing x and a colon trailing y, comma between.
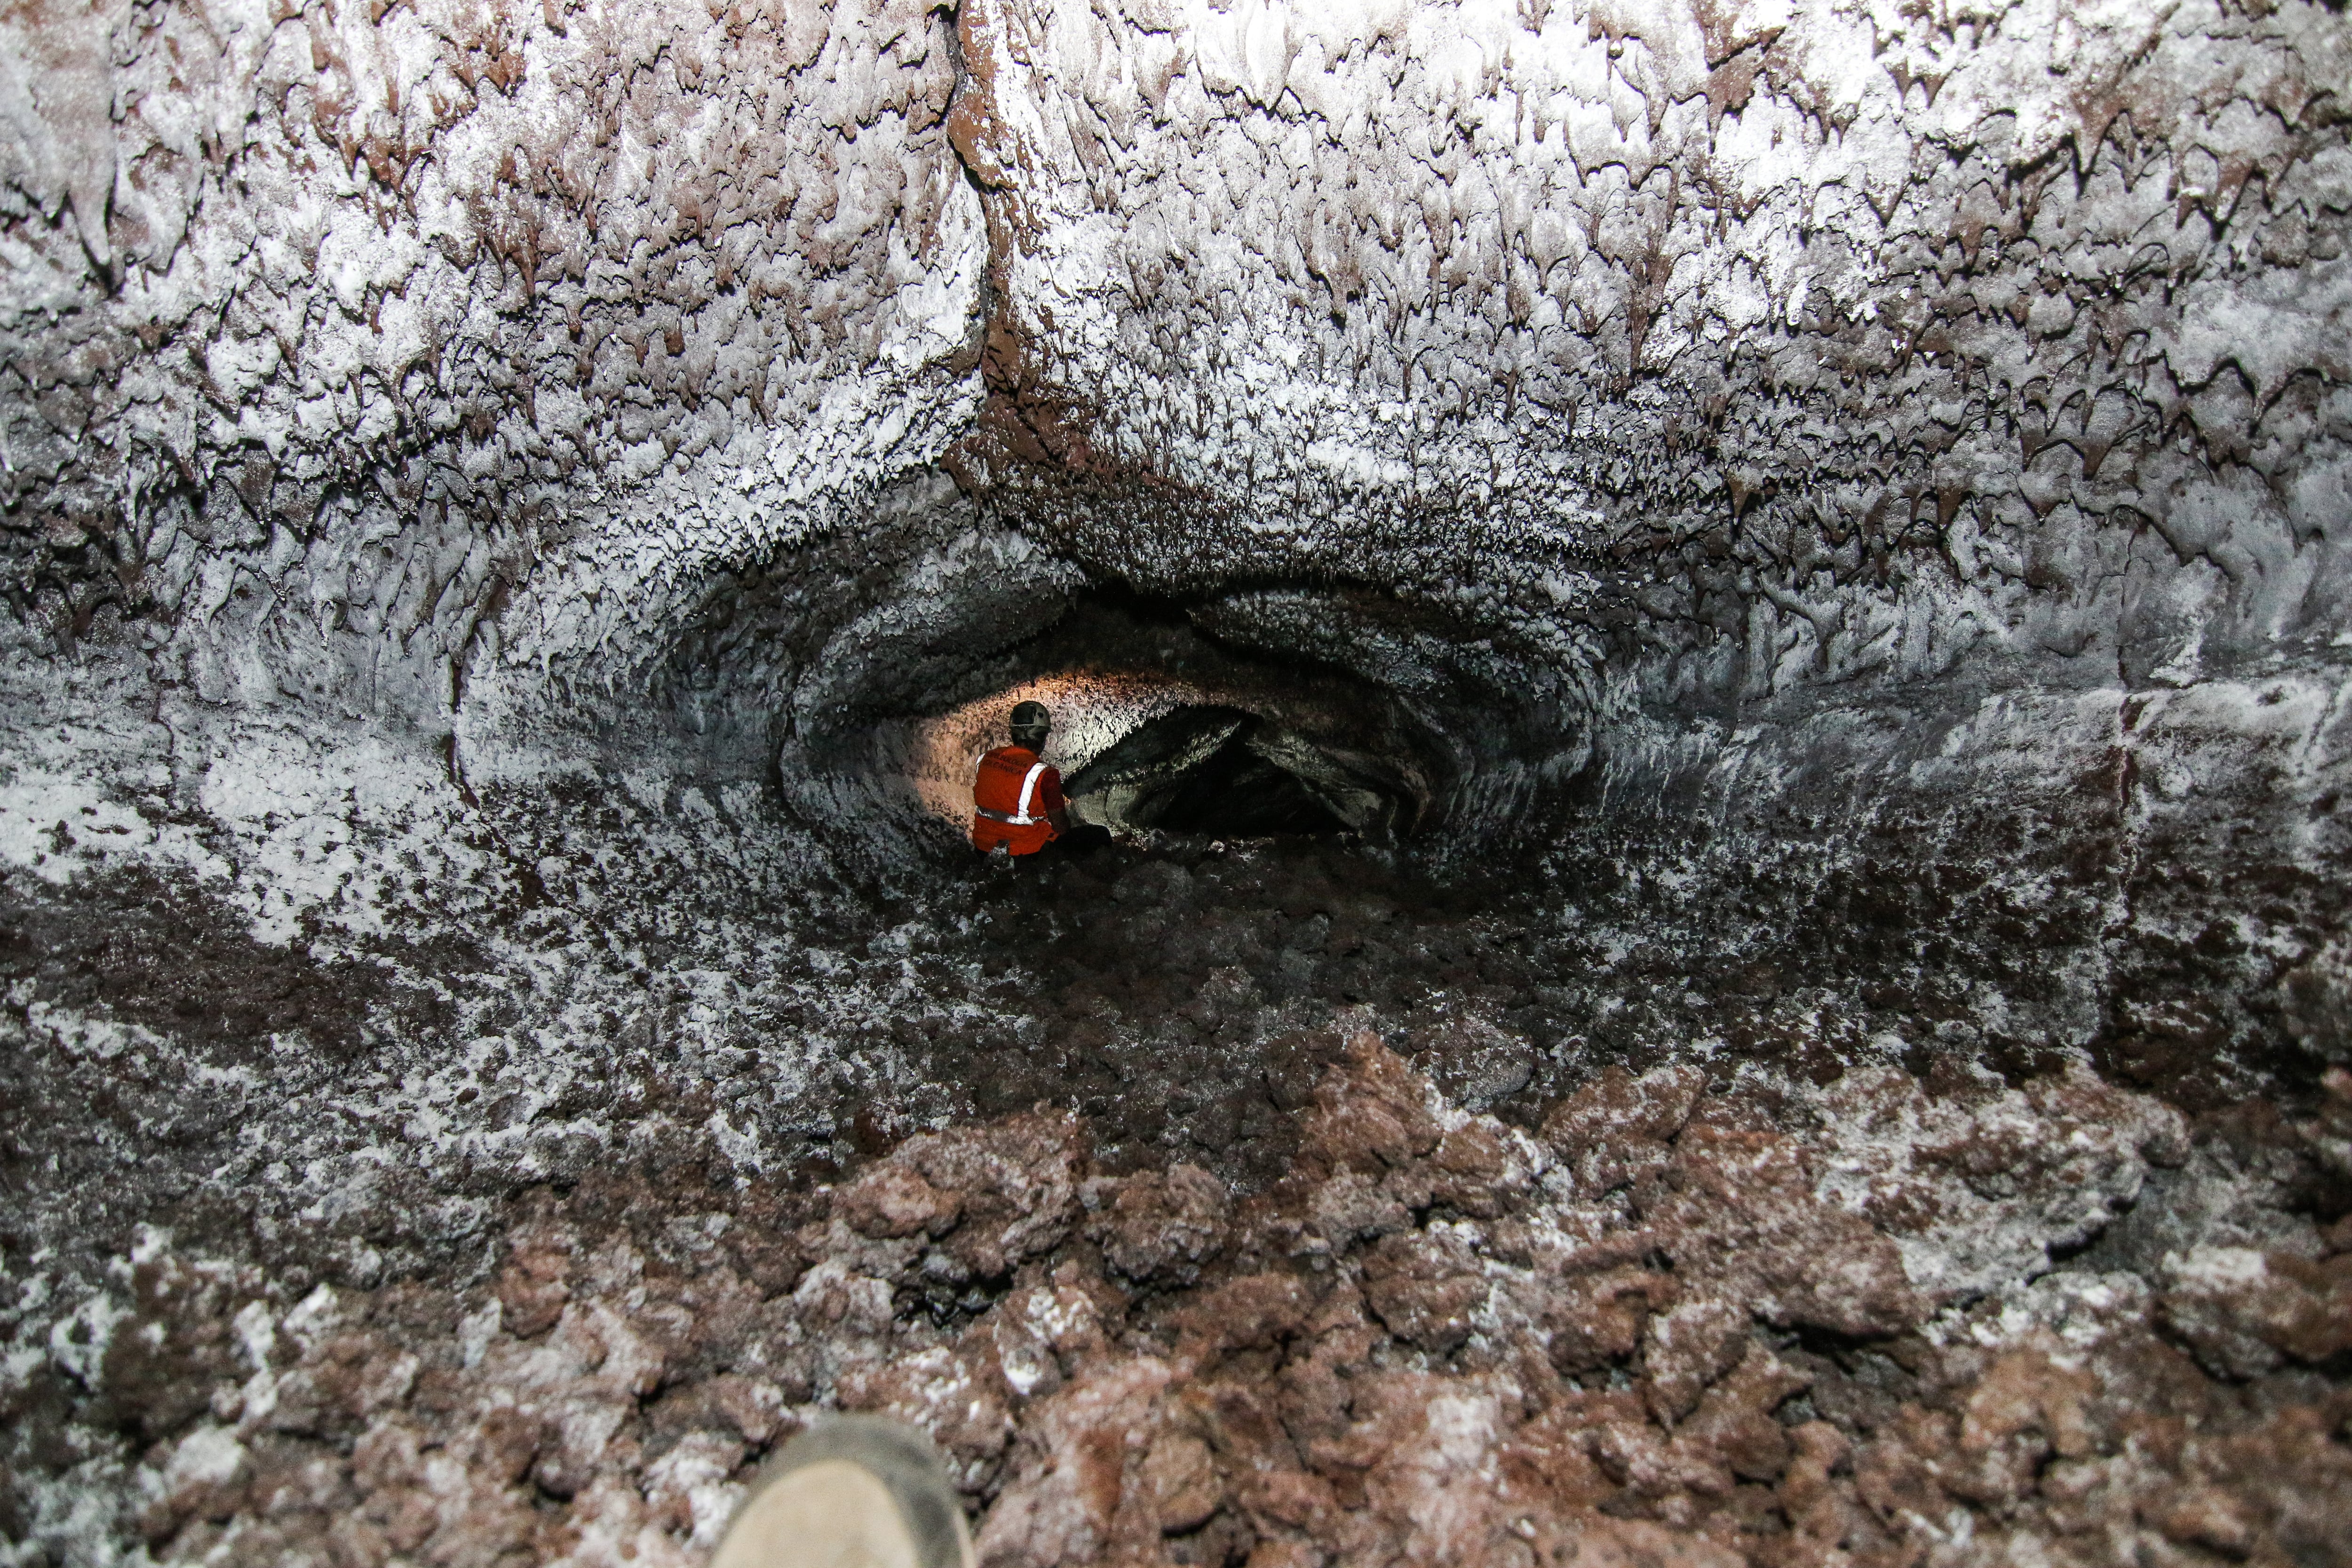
x: 1030, y: 719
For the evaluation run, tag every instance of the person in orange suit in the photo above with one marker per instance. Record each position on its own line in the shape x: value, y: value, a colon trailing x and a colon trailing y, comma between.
x: 1017, y: 805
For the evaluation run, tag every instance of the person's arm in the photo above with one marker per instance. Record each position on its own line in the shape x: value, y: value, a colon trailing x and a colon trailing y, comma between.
x: 1058, y: 810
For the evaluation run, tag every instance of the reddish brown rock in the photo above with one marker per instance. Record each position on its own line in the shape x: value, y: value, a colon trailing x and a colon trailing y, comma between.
x: 1741, y: 1214
x: 2245, y: 1312
x: 1349, y: 1207
x: 534, y: 1285
x: 1595, y: 1318
x: 1425, y: 1286
x: 1182, y: 1476
x: 1156, y: 1222
x: 1017, y: 1180
x: 1370, y: 1111
x: 1736, y: 1425
x: 1523, y: 1372
x: 1684, y: 1351
x: 1253, y: 1313
x: 1603, y: 1542
x: 1618, y: 1127
x: 1477, y: 1170
x: 1077, y: 1493
x: 892, y: 1200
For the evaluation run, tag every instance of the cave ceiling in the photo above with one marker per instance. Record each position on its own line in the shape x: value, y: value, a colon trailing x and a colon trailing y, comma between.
x: 1754, y: 344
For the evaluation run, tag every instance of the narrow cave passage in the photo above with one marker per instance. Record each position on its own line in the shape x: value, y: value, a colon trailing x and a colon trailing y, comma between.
x: 1203, y: 769
x: 1238, y: 791
x: 1159, y: 729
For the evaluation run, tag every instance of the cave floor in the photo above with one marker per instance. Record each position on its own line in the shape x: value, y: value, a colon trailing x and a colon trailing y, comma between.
x: 1268, y: 1202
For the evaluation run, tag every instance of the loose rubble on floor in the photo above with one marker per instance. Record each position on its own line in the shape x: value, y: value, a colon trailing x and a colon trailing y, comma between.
x: 1672, y: 1323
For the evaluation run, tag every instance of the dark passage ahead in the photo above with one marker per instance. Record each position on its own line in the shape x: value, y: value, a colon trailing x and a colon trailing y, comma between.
x: 1213, y: 769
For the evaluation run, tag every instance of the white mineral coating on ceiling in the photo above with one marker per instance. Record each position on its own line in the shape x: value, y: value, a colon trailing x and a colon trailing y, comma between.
x: 1788, y: 341
x: 388, y: 311
x: 1838, y: 338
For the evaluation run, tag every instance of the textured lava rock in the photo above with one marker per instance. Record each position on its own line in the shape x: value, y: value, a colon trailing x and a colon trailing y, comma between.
x: 1602, y: 1363
x: 1835, y: 514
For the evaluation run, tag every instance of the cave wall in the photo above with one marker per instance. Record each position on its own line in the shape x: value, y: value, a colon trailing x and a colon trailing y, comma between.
x: 1778, y: 344
x: 2149, y: 880
x: 1795, y: 472
x: 1872, y: 477
x: 1694, y: 421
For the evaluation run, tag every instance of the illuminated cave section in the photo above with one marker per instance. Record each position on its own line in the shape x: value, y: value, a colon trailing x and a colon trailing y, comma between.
x: 1160, y: 727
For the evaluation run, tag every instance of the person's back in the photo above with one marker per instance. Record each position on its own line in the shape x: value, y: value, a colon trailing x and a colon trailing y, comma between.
x: 1017, y: 804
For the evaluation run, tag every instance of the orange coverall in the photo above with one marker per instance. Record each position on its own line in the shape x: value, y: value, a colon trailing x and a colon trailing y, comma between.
x: 1012, y: 799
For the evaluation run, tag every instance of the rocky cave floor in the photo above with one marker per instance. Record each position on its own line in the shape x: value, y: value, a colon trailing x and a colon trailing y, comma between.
x: 1211, y: 1203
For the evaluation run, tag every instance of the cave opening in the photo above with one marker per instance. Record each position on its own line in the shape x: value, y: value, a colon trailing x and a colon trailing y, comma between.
x: 1164, y: 725
x: 1206, y: 768
x: 1239, y: 791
